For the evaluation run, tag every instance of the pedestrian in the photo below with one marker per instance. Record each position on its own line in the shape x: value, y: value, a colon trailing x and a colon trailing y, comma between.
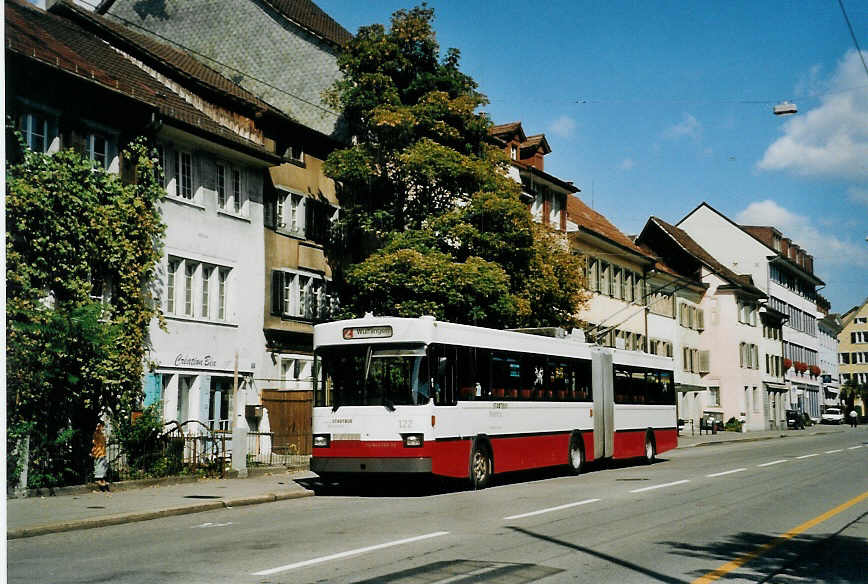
x: 100, y: 459
x: 854, y: 418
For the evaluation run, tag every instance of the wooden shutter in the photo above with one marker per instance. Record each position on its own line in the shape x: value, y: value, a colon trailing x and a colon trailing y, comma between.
x: 276, y: 292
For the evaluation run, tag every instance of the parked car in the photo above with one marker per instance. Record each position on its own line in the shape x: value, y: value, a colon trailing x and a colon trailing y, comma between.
x: 795, y: 420
x: 832, y: 416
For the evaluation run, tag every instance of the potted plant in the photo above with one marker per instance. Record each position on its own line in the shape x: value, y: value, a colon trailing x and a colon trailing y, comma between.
x: 787, y: 364
x: 815, y: 371
x: 800, y: 367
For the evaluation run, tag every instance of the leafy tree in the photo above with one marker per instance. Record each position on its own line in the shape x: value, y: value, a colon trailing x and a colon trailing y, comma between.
x: 851, y: 391
x: 431, y: 222
x: 73, y: 230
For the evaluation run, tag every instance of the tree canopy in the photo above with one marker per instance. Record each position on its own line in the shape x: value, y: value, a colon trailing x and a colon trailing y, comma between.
x: 81, y: 249
x: 431, y: 223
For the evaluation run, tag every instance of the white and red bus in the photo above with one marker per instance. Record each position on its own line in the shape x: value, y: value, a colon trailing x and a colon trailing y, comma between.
x: 416, y: 395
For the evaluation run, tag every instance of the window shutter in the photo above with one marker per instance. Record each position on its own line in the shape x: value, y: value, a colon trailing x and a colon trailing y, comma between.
x: 276, y: 292
x: 700, y: 320
x: 268, y: 211
x: 704, y: 361
x: 153, y: 388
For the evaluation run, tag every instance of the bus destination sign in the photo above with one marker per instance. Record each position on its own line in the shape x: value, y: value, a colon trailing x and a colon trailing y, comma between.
x: 367, y: 332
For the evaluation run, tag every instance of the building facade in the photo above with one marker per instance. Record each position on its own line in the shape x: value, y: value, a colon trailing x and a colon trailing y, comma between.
x: 853, y: 349
x: 783, y: 271
x: 725, y: 362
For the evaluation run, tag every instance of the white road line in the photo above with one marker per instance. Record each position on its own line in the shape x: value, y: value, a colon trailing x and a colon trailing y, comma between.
x: 660, y: 486
x: 773, y: 462
x: 807, y: 456
x: 854, y: 447
x: 834, y: 451
x: 550, y: 509
x: 347, y: 554
x: 726, y: 472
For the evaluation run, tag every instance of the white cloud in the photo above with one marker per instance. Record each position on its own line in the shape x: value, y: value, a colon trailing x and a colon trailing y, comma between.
x: 688, y: 127
x: 627, y: 164
x: 563, y: 126
x: 858, y: 195
x: 831, y: 140
x: 829, y: 251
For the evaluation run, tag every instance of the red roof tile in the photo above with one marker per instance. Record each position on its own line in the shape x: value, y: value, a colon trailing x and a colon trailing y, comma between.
x: 589, y: 220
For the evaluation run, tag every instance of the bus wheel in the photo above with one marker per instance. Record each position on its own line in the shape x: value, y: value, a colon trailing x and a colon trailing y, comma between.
x: 576, y: 454
x: 480, y: 467
x: 649, y: 449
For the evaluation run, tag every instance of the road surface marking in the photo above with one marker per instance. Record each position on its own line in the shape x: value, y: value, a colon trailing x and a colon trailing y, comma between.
x: 347, y: 554
x: 745, y: 558
x: 726, y: 472
x: 854, y: 447
x: 807, y: 456
x: 773, y: 462
x: 548, y: 510
x: 834, y: 451
x: 660, y: 486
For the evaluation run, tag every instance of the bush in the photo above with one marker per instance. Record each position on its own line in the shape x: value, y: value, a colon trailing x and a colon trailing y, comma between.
x: 142, y: 440
x: 733, y: 425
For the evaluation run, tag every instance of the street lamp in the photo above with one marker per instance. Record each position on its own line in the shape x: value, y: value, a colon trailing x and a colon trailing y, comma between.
x: 785, y: 108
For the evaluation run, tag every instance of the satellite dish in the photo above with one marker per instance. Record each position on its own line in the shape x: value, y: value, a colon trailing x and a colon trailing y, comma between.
x: 785, y: 108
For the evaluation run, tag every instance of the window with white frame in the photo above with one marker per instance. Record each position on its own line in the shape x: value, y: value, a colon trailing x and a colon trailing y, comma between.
x: 184, y: 174
x: 231, y: 195
x: 98, y: 150
x: 593, y: 274
x: 37, y: 129
x: 296, y: 372
x: 714, y: 396
x: 196, y: 289
x: 605, y: 279
x: 617, y: 286
x: 300, y: 295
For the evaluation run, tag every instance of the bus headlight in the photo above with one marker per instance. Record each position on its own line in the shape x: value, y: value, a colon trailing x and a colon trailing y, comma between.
x: 413, y: 440
x: 321, y: 440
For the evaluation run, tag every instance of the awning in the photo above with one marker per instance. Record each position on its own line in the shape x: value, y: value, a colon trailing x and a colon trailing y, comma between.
x: 685, y: 388
x: 771, y: 386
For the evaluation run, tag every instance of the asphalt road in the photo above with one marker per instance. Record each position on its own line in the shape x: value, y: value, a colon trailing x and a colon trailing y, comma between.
x: 778, y: 511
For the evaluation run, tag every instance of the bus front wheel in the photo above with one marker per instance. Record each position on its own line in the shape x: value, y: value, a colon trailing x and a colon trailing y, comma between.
x: 480, y: 467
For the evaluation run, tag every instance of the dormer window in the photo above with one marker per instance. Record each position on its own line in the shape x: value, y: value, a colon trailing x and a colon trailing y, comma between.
x: 513, y: 152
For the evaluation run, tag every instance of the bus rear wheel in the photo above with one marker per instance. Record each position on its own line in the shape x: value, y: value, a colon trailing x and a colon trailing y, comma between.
x: 480, y: 467
x: 576, y: 454
x: 650, y: 451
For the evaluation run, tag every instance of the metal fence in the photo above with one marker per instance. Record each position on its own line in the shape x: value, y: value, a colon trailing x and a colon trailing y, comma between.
x: 190, y: 447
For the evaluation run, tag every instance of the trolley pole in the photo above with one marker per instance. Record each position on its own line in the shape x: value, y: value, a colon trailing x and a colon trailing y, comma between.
x: 239, y: 429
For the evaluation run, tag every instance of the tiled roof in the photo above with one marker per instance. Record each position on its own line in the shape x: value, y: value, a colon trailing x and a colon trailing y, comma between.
x: 589, y: 220
x: 310, y: 16
x: 164, y: 56
x: 63, y: 45
x: 534, y: 142
x: 507, y: 130
x: 688, y: 244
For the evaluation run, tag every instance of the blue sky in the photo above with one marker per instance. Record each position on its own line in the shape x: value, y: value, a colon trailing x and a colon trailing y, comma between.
x: 653, y: 107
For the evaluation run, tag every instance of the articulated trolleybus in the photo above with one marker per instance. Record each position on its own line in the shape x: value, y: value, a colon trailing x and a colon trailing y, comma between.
x: 416, y: 395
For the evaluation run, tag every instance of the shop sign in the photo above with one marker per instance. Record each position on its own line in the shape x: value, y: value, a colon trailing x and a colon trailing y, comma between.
x: 192, y: 360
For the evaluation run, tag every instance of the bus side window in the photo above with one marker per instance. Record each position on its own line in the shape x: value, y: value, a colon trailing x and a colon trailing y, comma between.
x: 443, y: 361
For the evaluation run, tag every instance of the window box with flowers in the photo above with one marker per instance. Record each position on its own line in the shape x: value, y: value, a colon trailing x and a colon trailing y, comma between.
x: 787, y: 363
x: 800, y: 367
x: 814, y: 370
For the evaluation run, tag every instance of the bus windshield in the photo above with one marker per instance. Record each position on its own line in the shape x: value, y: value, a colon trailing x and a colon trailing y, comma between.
x: 368, y: 375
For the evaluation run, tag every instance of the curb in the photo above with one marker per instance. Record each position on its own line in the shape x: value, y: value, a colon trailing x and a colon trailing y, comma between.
x: 122, y: 518
x: 760, y: 438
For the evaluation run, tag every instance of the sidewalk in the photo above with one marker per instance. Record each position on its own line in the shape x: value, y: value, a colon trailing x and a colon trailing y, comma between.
x: 685, y: 440
x: 40, y: 515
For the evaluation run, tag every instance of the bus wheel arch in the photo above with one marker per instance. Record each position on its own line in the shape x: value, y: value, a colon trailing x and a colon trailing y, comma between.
x: 576, y: 453
x: 650, y: 447
x: 481, y: 463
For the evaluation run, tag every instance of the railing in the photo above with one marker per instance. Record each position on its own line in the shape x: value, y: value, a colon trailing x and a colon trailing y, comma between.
x: 259, y: 449
x: 189, y: 447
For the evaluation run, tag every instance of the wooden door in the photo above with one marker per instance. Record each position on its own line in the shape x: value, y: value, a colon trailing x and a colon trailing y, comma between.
x: 289, y: 413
